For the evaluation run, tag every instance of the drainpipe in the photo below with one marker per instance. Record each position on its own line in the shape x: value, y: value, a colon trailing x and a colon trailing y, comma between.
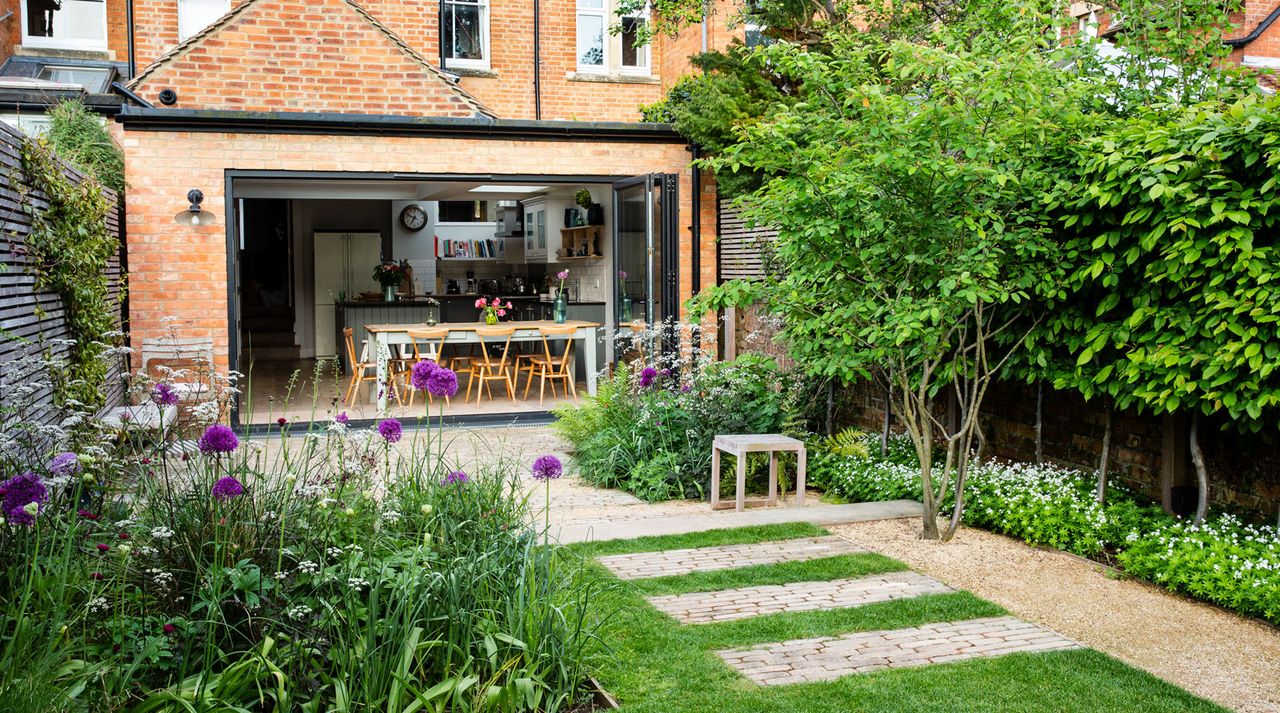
x: 441, y: 41
x: 133, y: 60
x: 537, y: 60
x: 704, y: 27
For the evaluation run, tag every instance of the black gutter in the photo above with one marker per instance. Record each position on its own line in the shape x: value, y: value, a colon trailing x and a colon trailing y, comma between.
x: 123, y: 91
x: 1257, y: 31
x: 537, y: 61
x: 152, y: 119
x: 133, y: 55
x: 39, y: 100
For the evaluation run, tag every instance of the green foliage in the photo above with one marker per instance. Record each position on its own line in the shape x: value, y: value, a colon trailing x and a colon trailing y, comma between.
x: 1169, y: 222
x: 656, y: 441
x: 81, y: 138
x: 1225, y: 562
x: 71, y: 246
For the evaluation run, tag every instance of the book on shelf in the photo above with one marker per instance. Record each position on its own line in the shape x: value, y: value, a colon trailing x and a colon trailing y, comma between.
x: 483, y: 248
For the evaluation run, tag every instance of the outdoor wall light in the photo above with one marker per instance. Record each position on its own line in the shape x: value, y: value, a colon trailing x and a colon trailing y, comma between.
x: 195, y: 215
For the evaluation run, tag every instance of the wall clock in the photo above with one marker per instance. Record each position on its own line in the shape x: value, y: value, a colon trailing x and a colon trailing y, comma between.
x: 413, y: 217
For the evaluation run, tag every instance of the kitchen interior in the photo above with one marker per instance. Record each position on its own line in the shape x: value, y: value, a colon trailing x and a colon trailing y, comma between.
x: 308, y: 254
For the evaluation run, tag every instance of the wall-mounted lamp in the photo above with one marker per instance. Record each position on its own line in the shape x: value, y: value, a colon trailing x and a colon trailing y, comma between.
x: 195, y: 215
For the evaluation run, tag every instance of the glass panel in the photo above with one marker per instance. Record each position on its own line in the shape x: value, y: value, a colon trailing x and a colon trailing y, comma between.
x: 463, y: 28
x: 590, y: 41
x: 93, y: 80
x: 591, y: 4
x: 632, y: 255
x: 633, y: 54
x: 71, y: 23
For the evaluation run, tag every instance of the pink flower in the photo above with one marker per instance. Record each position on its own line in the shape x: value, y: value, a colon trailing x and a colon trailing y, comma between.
x: 496, y: 302
x: 508, y: 305
x: 502, y: 313
x: 562, y: 275
x: 480, y: 303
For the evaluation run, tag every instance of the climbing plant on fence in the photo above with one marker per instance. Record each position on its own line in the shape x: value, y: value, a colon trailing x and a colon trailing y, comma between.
x: 71, y: 244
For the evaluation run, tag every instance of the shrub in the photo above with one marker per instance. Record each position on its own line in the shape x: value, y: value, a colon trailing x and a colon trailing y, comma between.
x: 324, y: 570
x: 1224, y: 561
x: 651, y: 433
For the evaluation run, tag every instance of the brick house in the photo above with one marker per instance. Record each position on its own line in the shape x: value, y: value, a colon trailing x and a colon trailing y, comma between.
x: 301, y: 120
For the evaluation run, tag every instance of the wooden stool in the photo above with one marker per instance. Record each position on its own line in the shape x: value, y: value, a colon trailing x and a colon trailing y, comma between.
x: 739, y: 445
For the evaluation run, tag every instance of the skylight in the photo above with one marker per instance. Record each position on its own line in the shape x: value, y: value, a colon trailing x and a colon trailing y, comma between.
x: 507, y: 189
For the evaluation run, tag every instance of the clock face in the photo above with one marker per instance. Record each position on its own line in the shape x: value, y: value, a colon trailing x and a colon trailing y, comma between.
x: 413, y: 217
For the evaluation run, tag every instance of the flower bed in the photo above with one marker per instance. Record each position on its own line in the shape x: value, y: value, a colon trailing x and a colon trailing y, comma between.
x: 649, y: 429
x: 328, y: 571
x: 1224, y: 561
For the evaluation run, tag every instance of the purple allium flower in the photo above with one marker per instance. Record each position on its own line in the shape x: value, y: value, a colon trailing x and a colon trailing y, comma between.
x: 685, y: 389
x: 562, y: 275
x: 103, y: 547
x: 648, y: 376
x: 547, y: 468
x: 20, y: 493
x: 457, y: 477
x: 64, y: 464
x: 442, y: 382
x: 169, y: 628
x: 227, y: 488
x: 218, y: 439
x: 87, y: 515
x: 95, y: 575
x: 666, y: 372
x: 390, y: 430
x: 282, y: 422
x: 341, y: 418
x: 421, y: 374
x: 164, y: 395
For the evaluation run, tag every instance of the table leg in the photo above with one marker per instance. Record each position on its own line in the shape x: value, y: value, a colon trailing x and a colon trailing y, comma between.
x: 589, y: 353
x: 715, y: 477
x: 742, y: 482
x: 773, y: 477
x: 383, y: 352
x: 802, y: 459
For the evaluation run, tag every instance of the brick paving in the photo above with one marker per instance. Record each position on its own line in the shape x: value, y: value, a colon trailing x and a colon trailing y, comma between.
x: 706, y: 559
x: 807, y: 660
x: 730, y: 604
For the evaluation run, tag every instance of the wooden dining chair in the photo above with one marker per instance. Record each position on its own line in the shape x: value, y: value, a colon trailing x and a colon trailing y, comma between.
x: 486, y: 369
x: 637, y: 342
x: 363, y: 369
x: 553, y: 368
x: 434, y: 339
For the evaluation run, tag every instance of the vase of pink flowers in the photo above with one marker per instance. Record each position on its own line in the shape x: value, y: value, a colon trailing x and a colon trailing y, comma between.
x: 492, y: 310
x: 560, y: 309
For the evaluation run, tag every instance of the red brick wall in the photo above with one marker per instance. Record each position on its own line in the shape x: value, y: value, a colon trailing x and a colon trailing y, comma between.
x: 11, y: 32
x: 677, y: 50
x: 182, y: 272
x: 287, y: 55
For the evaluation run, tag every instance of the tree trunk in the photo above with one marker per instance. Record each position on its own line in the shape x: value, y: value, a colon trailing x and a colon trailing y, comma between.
x: 1105, y: 457
x: 1202, y: 476
x: 831, y: 405
x: 888, y: 416
x: 1039, y: 422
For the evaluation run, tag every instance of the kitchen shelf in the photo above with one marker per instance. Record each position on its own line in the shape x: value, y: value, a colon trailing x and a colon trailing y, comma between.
x: 581, y: 257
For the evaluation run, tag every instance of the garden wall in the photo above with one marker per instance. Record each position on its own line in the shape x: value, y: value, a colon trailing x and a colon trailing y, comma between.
x: 1244, y: 469
x: 31, y: 321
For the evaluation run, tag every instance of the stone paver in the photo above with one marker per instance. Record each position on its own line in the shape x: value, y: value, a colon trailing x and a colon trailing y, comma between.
x: 706, y: 559
x: 730, y: 604
x: 807, y: 660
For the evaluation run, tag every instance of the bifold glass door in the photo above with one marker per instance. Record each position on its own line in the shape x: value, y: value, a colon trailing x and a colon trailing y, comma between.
x: 646, y: 249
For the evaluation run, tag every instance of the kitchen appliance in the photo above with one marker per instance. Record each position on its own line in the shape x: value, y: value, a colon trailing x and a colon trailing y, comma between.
x: 344, y: 264
x: 451, y: 287
x: 519, y: 285
x: 471, y: 282
x: 488, y: 287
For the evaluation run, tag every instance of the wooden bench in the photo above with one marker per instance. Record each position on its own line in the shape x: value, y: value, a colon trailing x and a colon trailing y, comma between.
x: 739, y: 445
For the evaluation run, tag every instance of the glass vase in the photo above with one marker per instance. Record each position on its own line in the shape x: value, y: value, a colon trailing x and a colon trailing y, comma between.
x: 560, y: 309
x: 389, y: 293
x: 490, y: 317
x: 433, y: 315
x: 625, y: 314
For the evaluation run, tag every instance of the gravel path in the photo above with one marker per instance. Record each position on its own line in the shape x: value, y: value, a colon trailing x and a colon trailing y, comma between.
x: 1214, y: 654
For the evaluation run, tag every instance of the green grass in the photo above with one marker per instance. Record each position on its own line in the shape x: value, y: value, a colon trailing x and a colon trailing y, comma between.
x: 656, y: 665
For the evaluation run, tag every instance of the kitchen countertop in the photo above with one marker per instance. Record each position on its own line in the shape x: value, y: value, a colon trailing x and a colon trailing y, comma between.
x: 420, y: 302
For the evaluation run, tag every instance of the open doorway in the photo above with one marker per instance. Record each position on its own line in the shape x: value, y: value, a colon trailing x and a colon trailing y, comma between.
x: 267, y: 311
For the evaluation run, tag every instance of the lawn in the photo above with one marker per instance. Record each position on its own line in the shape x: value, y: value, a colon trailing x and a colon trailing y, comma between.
x: 658, y: 665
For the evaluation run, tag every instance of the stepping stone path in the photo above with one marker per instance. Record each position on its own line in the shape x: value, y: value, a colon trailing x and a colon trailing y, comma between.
x: 706, y: 559
x: 808, y: 660
x: 730, y: 604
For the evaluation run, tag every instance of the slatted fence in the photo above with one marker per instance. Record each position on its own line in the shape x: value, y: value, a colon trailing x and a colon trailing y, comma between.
x: 32, y: 322
x: 742, y: 248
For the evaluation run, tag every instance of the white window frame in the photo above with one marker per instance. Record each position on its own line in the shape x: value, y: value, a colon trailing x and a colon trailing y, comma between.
x: 601, y: 12
x: 226, y: 7
x: 64, y: 43
x: 486, y: 47
x: 644, y: 53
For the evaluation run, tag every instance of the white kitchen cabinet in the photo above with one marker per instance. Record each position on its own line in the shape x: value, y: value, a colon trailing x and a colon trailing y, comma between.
x: 543, y: 219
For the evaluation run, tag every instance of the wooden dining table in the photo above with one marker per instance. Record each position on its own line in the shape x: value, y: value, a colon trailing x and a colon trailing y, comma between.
x: 387, y: 335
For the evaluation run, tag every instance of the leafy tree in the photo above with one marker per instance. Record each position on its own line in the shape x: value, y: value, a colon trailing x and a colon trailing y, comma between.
x: 900, y: 189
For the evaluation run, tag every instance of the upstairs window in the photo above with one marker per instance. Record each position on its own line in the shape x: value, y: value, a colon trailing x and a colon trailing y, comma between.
x: 591, y: 36
x: 635, y: 56
x: 65, y: 24
x: 195, y: 15
x: 466, y: 34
